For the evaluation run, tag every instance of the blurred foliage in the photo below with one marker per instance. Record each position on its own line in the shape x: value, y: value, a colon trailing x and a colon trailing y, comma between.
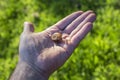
x: 96, y: 58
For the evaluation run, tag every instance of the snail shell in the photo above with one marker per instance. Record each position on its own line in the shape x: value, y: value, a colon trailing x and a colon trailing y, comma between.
x: 57, y: 36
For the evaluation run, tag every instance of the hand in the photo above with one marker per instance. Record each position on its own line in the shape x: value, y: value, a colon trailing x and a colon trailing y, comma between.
x: 45, y: 55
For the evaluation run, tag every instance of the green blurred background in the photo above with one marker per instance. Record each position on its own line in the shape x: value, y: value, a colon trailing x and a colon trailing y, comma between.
x: 97, y: 56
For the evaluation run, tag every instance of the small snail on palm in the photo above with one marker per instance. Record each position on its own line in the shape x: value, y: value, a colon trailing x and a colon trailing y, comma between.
x: 57, y: 36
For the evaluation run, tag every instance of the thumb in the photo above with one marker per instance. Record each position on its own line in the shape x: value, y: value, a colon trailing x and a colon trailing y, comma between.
x: 28, y: 27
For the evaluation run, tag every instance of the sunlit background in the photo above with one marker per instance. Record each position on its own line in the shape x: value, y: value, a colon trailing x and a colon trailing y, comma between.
x: 97, y: 56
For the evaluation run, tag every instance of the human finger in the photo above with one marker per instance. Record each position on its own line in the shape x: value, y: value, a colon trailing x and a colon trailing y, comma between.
x: 77, y: 21
x: 67, y: 20
x: 81, y: 34
x: 28, y: 27
x: 90, y: 18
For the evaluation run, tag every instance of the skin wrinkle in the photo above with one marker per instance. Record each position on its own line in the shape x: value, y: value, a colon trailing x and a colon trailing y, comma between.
x: 81, y: 34
x: 24, y: 68
x: 32, y: 62
x: 65, y: 20
x: 31, y: 55
x: 44, y: 55
x: 76, y: 22
x: 89, y: 18
x: 42, y: 39
x: 46, y: 50
x: 57, y: 60
x: 41, y: 59
x: 41, y: 56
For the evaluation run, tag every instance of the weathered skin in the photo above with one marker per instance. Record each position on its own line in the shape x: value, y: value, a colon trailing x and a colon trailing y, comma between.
x: 40, y: 56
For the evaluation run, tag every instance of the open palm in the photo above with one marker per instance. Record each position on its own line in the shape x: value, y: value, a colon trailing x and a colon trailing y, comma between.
x: 45, y: 55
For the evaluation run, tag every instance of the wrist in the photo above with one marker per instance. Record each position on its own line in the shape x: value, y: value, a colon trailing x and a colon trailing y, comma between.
x: 24, y: 71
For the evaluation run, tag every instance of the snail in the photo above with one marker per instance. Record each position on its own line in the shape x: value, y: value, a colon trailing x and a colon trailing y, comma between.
x: 57, y: 36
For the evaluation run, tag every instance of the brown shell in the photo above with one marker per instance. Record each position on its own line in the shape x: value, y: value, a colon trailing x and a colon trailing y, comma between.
x: 56, y: 36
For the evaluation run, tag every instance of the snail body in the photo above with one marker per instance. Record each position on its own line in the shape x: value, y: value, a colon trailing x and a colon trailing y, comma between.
x: 57, y: 36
